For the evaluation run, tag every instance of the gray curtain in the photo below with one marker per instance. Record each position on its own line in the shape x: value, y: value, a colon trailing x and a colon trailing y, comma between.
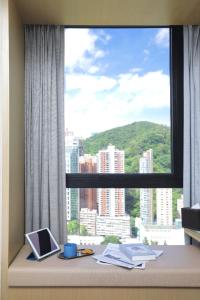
x: 191, y: 115
x: 44, y: 130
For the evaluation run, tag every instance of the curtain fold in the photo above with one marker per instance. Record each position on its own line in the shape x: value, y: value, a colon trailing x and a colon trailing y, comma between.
x: 191, y: 176
x: 44, y: 130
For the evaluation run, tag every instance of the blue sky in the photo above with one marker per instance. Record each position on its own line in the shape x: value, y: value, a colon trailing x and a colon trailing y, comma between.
x: 115, y: 77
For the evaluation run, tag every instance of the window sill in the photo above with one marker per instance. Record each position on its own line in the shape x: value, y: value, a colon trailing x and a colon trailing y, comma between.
x: 179, y: 266
x: 195, y: 234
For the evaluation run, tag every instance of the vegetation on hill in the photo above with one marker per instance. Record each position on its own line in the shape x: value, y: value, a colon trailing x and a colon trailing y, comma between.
x: 134, y: 139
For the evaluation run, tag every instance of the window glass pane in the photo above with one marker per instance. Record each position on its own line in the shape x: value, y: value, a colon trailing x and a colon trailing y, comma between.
x: 151, y: 216
x: 117, y: 100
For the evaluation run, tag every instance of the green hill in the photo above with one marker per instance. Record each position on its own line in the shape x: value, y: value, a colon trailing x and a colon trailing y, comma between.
x: 134, y: 139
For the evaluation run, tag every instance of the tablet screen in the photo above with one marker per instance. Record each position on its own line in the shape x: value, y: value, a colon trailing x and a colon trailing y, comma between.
x: 42, y: 242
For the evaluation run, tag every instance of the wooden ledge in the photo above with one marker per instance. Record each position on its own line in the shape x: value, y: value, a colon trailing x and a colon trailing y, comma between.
x: 195, y: 234
x: 179, y: 266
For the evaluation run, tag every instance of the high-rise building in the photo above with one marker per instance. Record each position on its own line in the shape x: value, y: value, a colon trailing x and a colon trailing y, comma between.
x: 179, y: 206
x: 110, y: 160
x: 87, y: 164
x: 119, y: 226
x: 88, y: 197
x: 111, y: 202
x: 88, y: 219
x: 73, y: 149
x: 146, y: 195
x: 146, y: 162
x: 164, y: 206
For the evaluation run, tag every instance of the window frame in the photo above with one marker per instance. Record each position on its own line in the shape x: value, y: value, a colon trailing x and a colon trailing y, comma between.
x: 150, y: 180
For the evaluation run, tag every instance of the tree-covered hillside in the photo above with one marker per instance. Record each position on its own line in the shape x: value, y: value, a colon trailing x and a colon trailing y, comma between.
x: 134, y: 139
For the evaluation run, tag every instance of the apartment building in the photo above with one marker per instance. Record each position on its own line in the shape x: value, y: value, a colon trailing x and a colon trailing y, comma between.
x: 146, y: 195
x: 111, y: 202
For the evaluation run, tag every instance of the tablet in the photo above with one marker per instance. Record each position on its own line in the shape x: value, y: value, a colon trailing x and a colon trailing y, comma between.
x: 42, y: 242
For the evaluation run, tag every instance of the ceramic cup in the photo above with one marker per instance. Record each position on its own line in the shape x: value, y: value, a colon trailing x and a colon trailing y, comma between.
x: 70, y: 250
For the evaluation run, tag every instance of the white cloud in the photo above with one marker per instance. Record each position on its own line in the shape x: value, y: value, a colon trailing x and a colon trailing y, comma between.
x: 148, y: 91
x: 77, y: 42
x: 99, y: 54
x: 124, y: 101
x: 93, y: 69
x: 162, y: 37
x: 80, y: 48
x: 89, y: 84
x: 135, y: 70
x: 104, y: 36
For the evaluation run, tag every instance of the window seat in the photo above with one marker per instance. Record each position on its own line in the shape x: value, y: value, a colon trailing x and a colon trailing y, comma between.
x: 179, y: 266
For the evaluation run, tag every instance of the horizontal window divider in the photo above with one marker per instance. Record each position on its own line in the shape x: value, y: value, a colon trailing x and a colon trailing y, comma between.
x: 155, y: 180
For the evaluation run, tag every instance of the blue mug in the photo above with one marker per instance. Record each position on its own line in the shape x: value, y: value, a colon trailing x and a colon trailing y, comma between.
x: 70, y: 250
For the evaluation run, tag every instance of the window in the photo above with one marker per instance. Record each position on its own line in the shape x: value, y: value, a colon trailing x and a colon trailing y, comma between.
x: 75, y: 73
x: 152, y: 216
x: 124, y: 129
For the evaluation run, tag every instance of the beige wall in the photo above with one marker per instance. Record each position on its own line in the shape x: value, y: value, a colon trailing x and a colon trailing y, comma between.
x: 110, y: 12
x: 103, y: 293
x: 16, y: 133
x: 4, y: 105
x: 12, y: 113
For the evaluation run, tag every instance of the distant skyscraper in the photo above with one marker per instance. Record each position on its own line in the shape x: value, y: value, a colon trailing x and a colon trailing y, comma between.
x: 146, y: 195
x: 73, y: 149
x: 111, y: 202
x: 87, y: 164
x: 119, y: 226
x: 88, y: 197
x: 88, y: 219
x: 179, y: 206
x: 164, y: 206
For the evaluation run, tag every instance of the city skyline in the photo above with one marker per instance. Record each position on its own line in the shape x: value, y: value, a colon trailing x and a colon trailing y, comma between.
x: 107, y: 215
x: 102, y: 211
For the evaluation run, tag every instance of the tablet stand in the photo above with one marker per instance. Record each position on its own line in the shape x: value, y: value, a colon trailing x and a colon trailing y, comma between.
x: 31, y: 256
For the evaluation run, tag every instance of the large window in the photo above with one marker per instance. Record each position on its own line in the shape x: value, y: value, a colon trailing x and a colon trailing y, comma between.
x: 124, y: 88
x: 124, y: 130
